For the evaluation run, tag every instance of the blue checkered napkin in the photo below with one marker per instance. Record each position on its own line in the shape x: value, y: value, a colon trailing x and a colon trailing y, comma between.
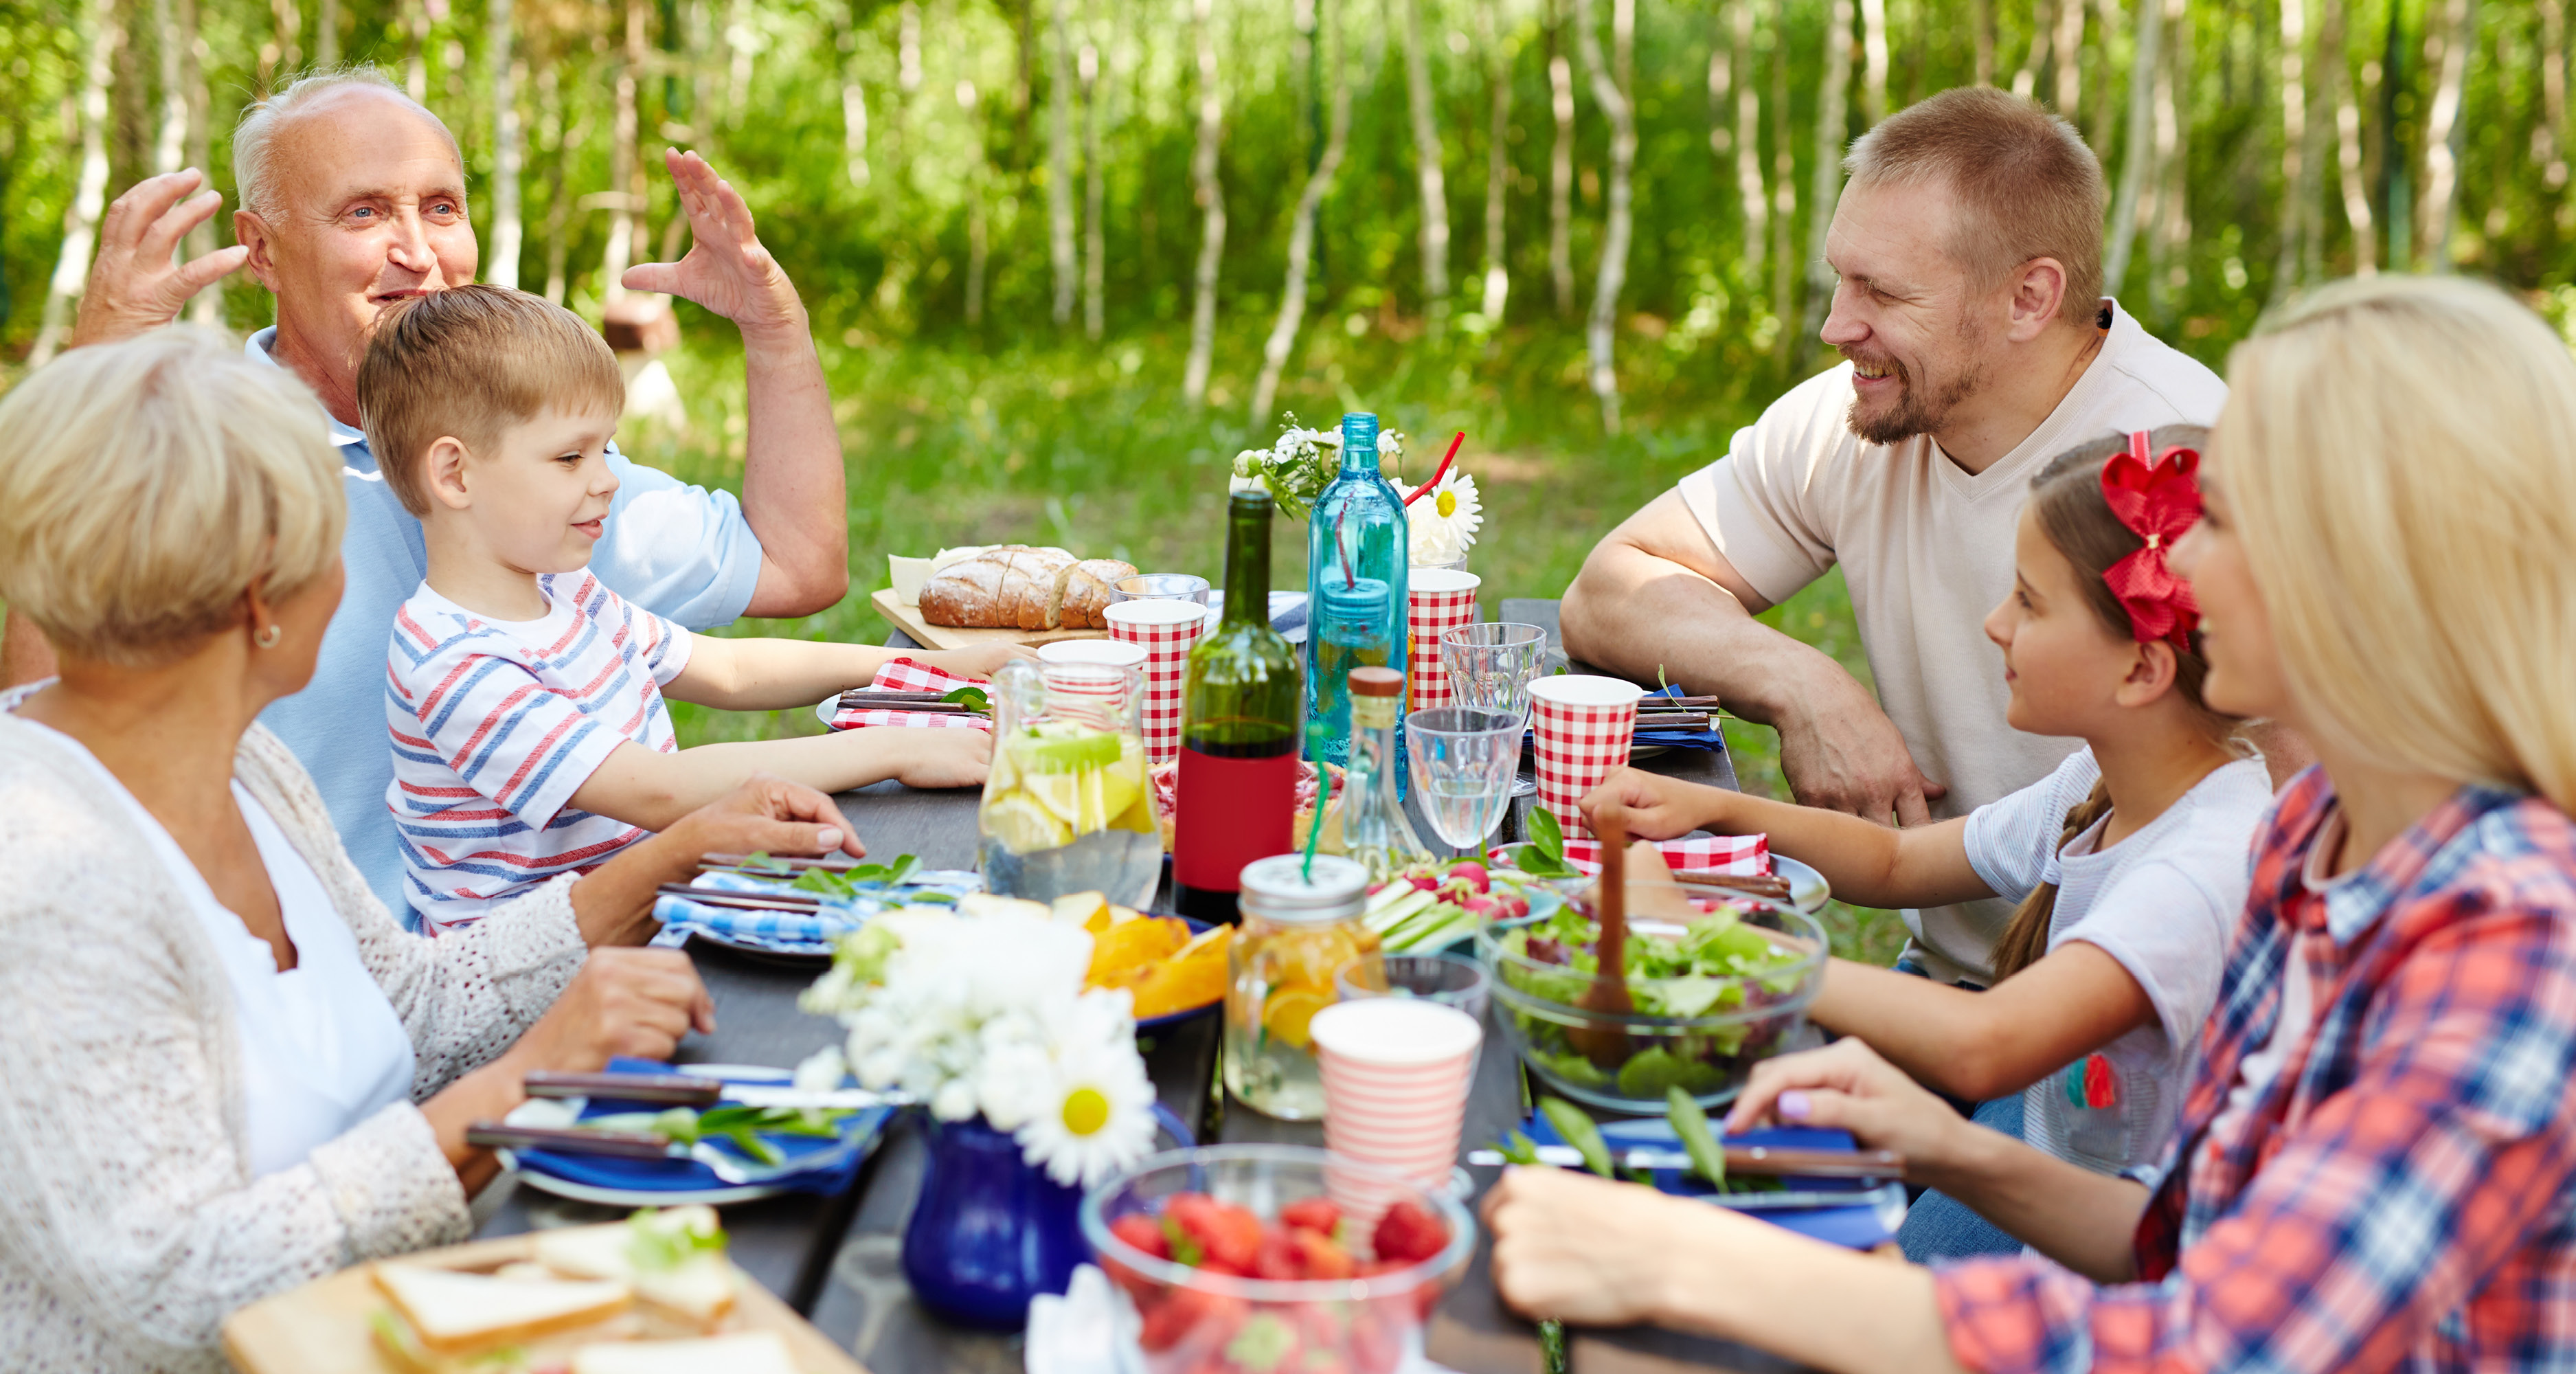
x: 790, y: 932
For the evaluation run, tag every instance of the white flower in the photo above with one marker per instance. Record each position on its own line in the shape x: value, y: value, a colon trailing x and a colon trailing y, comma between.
x: 1096, y: 1116
x: 823, y: 1070
x: 1444, y: 524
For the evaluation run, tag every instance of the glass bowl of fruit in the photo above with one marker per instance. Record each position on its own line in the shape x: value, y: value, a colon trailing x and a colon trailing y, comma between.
x: 1280, y: 1257
x: 1713, y: 985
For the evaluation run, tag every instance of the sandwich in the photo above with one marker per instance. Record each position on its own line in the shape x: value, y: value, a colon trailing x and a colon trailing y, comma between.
x: 674, y: 1258
x: 749, y: 1352
x: 444, y: 1319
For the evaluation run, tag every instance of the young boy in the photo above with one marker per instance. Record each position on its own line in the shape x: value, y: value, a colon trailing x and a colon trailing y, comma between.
x: 524, y: 699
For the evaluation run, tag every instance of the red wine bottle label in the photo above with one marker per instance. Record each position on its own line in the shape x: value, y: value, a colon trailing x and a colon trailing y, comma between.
x: 1231, y: 811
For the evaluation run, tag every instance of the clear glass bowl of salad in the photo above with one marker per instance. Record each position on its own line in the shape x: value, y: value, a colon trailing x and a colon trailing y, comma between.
x: 1717, y: 985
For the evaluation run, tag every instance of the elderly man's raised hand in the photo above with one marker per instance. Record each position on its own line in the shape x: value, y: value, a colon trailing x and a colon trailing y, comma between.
x: 134, y: 286
x: 726, y: 270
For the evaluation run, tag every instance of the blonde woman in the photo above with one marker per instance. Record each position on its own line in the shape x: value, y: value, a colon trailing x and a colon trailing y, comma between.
x: 229, y: 1070
x: 2375, y: 1155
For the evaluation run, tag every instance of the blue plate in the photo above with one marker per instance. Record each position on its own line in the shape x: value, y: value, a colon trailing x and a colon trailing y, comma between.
x: 817, y: 1164
x: 1812, y: 1207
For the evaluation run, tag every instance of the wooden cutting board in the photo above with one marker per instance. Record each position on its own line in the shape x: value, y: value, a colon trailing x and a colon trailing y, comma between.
x: 324, y: 1326
x: 908, y: 619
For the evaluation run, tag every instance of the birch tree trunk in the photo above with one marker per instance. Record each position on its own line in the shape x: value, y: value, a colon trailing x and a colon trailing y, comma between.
x: 2355, y: 187
x: 2548, y: 142
x: 1784, y: 196
x: 976, y: 240
x: 1095, y: 236
x: 2070, y: 59
x: 1060, y: 222
x: 854, y: 116
x: 1560, y: 183
x: 1873, y: 47
x: 743, y: 42
x: 1301, y: 228
x: 170, y: 141
x: 416, y: 49
x: 1981, y: 14
x: 208, y: 308
x: 2295, y: 171
x: 508, y: 147
x: 1748, y: 143
x: 2170, y: 229
x: 1427, y: 159
x: 89, y: 193
x: 326, y: 33
x: 1832, y: 121
x: 1601, y: 330
x: 1498, y: 166
x: 625, y: 219
x: 1211, y: 198
x: 2445, y: 132
x: 2140, y: 153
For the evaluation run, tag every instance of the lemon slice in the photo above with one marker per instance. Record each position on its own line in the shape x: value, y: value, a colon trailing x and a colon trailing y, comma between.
x: 1087, y: 801
x: 1023, y: 825
x: 1290, y: 1012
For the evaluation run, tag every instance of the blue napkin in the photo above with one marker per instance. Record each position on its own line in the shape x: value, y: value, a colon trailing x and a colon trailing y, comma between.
x: 1865, y: 1224
x: 835, y: 1162
x: 789, y: 932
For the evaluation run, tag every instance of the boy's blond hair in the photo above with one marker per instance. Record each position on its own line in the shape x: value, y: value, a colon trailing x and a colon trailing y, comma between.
x: 147, y: 485
x: 467, y: 363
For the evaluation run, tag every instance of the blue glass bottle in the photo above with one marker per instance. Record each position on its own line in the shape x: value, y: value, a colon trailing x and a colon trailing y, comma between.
x: 1356, y: 557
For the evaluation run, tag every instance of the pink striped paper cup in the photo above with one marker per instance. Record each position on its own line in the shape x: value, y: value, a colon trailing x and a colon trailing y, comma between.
x: 1440, y: 600
x: 1396, y: 1072
x: 1165, y: 630
x: 1582, y: 726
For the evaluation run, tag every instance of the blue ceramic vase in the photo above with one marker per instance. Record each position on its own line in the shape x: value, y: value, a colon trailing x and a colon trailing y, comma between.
x: 990, y: 1230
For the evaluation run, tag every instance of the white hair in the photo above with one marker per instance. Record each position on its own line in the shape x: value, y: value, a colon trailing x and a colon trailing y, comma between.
x: 255, y: 179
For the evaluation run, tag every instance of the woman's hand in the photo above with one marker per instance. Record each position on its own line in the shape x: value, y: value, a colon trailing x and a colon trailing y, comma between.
x: 1582, y: 1249
x: 633, y: 1003
x: 1846, y: 1085
x: 1659, y: 807
x: 613, y: 904
x: 983, y: 660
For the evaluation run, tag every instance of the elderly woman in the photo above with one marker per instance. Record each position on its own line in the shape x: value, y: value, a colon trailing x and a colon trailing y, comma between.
x: 2374, y: 1161
x: 229, y: 1069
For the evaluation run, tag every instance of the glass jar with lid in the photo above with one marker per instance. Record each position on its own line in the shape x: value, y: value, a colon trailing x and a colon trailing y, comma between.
x: 1298, y: 927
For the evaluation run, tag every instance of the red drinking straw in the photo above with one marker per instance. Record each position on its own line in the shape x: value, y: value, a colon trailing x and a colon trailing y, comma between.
x: 1442, y: 471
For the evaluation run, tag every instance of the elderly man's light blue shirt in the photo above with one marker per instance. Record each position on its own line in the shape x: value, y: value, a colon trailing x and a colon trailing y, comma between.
x: 679, y: 551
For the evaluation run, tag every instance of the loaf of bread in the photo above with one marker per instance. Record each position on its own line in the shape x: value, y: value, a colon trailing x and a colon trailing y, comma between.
x: 1016, y: 587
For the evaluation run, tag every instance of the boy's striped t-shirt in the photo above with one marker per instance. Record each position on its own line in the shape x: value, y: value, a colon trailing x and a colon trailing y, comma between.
x: 495, y: 724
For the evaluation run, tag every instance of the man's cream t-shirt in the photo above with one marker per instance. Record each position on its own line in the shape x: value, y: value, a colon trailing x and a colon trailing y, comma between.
x: 1927, y: 549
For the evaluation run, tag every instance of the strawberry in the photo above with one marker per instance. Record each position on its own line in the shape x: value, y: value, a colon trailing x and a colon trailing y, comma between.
x: 1317, y: 1256
x: 1221, y: 1230
x: 1314, y: 1213
x: 1278, y: 1257
x: 1141, y: 1231
x: 1206, y: 1320
x: 1409, y: 1233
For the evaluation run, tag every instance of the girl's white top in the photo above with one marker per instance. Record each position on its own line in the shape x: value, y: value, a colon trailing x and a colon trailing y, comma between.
x: 2163, y: 902
x: 321, y: 1047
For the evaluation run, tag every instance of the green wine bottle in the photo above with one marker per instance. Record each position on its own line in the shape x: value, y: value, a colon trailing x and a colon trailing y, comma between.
x: 1241, y: 703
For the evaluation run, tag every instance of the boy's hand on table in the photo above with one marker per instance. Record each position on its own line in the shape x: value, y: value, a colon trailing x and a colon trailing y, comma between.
x: 983, y: 660
x: 943, y: 758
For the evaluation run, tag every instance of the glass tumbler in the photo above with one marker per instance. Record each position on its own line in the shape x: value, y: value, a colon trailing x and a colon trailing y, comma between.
x: 1463, y: 760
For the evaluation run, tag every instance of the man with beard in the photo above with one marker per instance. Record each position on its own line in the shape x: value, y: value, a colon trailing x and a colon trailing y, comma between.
x: 1978, y: 345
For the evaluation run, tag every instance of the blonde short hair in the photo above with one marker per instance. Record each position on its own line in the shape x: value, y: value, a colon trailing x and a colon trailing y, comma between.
x: 2025, y: 184
x: 2400, y: 457
x: 256, y: 175
x: 147, y: 485
x: 467, y: 363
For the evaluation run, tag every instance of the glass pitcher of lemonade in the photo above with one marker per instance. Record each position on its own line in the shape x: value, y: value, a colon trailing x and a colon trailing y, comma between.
x: 1066, y: 807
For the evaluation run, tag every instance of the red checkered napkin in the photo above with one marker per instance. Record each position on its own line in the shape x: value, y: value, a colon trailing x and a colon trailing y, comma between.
x: 1741, y: 854
x: 1439, y: 600
x: 905, y: 675
x: 1580, y: 728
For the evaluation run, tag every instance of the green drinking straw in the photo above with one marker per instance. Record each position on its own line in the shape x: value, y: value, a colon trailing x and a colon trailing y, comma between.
x: 1323, y: 784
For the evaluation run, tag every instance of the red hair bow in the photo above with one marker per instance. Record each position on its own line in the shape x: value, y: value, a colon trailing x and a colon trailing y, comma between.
x: 2157, y: 500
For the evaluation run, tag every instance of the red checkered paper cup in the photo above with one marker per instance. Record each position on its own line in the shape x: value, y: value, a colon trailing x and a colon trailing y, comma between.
x: 1165, y: 630
x: 1441, y: 600
x: 1582, y: 727
x: 1396, y: 1072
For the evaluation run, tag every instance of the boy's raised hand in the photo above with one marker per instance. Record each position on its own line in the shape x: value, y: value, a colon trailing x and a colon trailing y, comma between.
x: 943, y: 758
x: 726, y: 269
x: 983, y: 660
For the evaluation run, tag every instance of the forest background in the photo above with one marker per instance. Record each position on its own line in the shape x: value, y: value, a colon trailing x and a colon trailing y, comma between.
x: 1065, y: 257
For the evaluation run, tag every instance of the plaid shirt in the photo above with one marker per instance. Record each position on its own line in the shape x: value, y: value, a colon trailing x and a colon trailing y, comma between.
x: 2399, y: 1196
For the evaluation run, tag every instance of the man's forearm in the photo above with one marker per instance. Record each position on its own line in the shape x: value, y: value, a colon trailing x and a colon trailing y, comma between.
x: 25, y: 654
x: 795, y: 492
x: 1636, y: 614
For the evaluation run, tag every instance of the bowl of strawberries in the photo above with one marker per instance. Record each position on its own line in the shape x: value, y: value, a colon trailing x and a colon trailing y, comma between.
x: 1240, y: 1258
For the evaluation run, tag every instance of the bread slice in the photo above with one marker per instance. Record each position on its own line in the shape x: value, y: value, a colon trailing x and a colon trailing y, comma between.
x: 699, y: 1291
x: 1088, y: 589
x: 452, y: 1312
x: 1038, y: 587
x: 972, y: 594
x: 748, y: 1352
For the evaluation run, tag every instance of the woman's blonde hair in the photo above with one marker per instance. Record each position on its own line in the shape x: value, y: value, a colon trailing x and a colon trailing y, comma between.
x: 146, y: 485
x: 2400, y: 457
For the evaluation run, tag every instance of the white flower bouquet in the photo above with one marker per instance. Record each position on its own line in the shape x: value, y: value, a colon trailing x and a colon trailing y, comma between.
x: 984, y: 1014
x: 1297, y: 468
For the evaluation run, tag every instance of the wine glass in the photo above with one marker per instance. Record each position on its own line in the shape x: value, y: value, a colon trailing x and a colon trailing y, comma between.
x: 1492, y: 666
x: 1463, y: 761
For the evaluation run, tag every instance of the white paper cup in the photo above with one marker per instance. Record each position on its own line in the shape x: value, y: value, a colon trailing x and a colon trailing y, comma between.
x: 1396, y: 1072
x: 1117, y: 653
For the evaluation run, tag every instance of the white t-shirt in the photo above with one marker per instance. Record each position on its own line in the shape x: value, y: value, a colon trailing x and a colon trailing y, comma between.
x: 496, y: 723
x: 321, y: 1047
x: 1927, y: 549
x: 2162, y: 902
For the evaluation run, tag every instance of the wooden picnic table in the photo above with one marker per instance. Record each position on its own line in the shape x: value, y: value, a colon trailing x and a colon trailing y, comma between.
x: 838, y: 1260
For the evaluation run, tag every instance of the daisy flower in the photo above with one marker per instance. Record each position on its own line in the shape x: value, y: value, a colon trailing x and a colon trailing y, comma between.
x: 1444, y: 524
x: 1097, y: 1115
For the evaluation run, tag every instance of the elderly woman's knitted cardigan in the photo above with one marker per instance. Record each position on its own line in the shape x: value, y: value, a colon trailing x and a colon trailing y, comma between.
x: 130, y: 1223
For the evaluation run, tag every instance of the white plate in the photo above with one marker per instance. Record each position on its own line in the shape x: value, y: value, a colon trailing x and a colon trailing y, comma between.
x: 1808, y: 890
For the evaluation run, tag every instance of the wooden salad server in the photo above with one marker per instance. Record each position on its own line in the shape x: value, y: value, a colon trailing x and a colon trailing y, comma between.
x: 1606, y: 1045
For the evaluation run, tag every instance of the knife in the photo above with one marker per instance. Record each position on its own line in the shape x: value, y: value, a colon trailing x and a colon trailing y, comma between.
x: 638, y: 1145
x: 693, y: 1090
x: 1768, y: 1160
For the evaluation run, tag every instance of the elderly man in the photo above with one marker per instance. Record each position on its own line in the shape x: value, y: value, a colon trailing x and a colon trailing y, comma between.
x: 353, y: 195
x: 1969, y: 248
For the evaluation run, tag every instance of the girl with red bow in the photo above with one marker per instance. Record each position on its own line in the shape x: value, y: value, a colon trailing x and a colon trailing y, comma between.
x: 2129, y: 861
